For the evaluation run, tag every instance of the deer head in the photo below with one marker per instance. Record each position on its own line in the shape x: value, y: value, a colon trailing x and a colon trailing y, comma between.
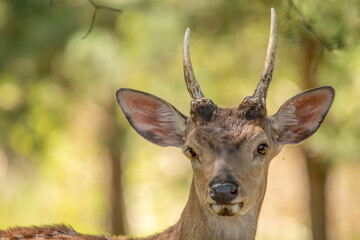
x: 229, y: 148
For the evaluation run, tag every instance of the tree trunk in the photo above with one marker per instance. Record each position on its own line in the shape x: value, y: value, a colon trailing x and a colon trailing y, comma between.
x: 117, y: 201
x: 316, y: 166
x: 114, y: 139
x: 317, y: 173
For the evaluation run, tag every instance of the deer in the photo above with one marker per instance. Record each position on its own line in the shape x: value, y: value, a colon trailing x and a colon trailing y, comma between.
x: 229, y: 149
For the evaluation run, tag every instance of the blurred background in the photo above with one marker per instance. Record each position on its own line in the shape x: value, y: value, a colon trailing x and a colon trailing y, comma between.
x: 68, y: 155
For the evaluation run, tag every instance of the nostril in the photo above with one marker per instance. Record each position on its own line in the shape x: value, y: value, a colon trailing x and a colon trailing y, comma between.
x: 233, y: 190
x: 212, y: 192
x: 223, y: 193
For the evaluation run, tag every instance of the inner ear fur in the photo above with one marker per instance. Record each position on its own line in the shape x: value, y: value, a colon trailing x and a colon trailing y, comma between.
x: 153, y: 118
x: 301, y: 116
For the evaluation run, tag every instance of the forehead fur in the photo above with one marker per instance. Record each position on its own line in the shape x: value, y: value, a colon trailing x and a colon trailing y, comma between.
x: 228, y: 127
x: 204, y: 111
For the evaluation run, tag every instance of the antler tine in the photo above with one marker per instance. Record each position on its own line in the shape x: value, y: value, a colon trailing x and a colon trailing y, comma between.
x: 265, y: 79
x: 191, y: 83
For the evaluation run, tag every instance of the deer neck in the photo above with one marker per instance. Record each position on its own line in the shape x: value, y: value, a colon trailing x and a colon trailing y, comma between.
x: 197, y: 222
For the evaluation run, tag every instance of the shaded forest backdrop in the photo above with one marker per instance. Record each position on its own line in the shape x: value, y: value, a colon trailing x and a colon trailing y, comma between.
x: 67, y: 154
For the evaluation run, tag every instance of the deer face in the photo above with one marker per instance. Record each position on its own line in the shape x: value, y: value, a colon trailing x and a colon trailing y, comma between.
x: 230, y: 149
x: 230, y: 157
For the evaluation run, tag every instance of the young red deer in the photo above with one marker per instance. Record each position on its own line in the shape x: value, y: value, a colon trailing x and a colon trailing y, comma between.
x: 230, y: 150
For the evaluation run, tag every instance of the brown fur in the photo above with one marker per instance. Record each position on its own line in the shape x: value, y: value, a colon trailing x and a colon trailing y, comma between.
x: 225, y: 141
x: 54, y: 232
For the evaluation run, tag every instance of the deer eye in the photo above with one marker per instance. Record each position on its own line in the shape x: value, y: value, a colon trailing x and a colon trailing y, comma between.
x: 191, y: 152
x: 262, y: 148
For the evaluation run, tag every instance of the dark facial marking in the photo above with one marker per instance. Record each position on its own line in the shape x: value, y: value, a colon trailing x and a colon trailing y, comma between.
x: 252, y: 113
x: 224, y: 176
x: 211, y: 145
x: 206, y: 112
x: 202, y: 112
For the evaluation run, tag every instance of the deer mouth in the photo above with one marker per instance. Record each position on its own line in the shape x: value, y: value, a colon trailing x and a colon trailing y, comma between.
x: 227, y: 209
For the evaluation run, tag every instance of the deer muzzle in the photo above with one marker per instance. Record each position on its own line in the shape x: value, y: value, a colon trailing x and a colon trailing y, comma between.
x: 224, y: 199
x: 223, y: 193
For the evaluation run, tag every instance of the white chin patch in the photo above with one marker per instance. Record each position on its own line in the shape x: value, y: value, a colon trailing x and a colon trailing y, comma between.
x: 226, y: 209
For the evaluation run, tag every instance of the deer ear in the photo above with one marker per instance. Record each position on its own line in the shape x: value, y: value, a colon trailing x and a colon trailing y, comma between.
x: 153, y: 118
x: 300, y: 116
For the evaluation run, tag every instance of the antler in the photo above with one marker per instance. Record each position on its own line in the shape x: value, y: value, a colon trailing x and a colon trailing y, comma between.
x: 191, y: 83
x: 265, y: 79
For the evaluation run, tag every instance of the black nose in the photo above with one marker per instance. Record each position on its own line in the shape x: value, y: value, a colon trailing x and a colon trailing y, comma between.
x: 223, y: 193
